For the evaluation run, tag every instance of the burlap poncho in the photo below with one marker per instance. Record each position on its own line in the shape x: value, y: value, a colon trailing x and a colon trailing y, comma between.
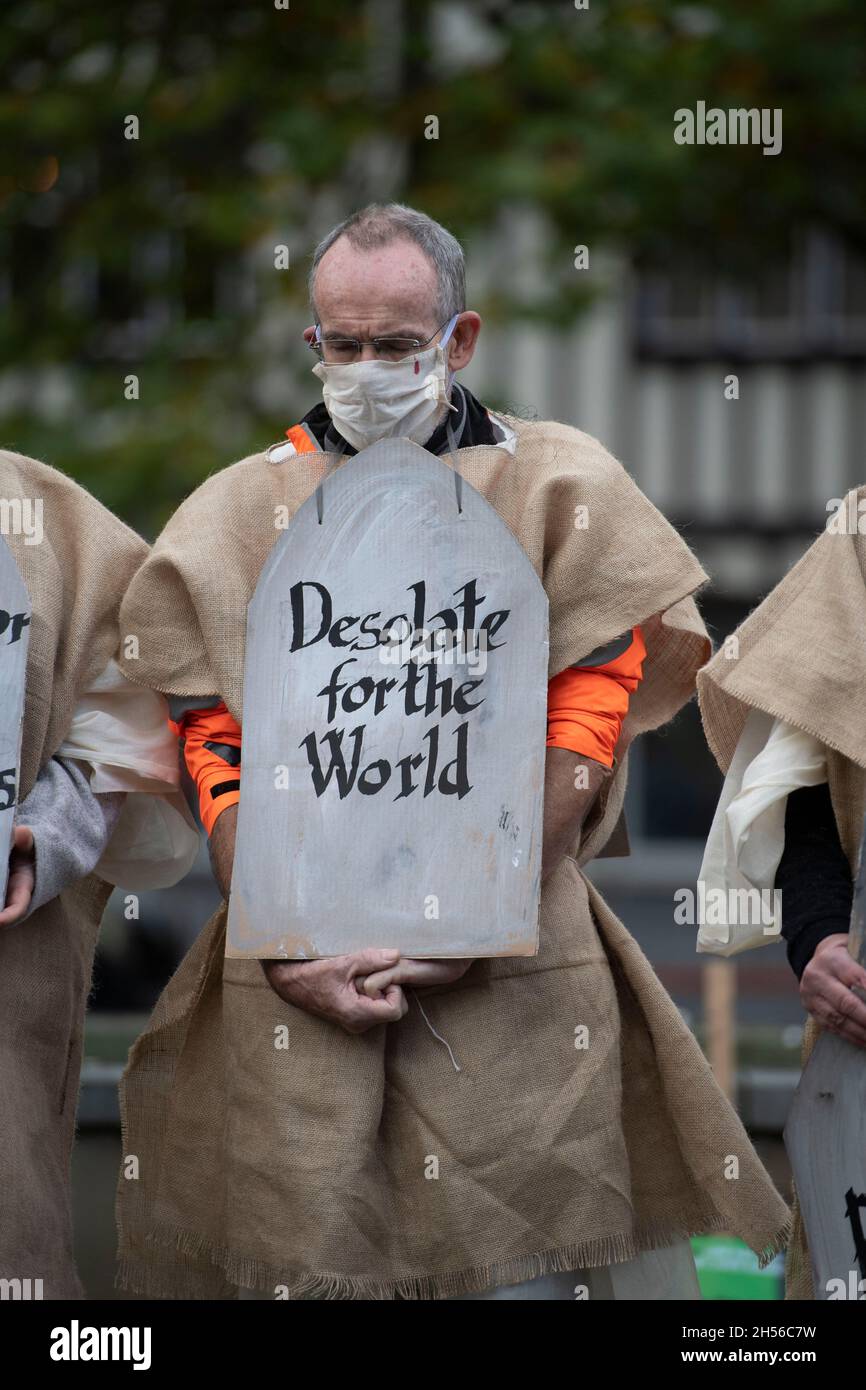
x: 306, y: 1169
x: 75, y: 576
x: 801, y: 657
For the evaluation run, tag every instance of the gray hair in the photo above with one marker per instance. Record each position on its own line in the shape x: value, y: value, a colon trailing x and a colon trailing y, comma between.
x: 380, y: 223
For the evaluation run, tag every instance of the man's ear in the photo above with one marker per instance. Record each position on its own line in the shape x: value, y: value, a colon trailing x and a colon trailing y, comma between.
x: 310, y: 333
x: 461, y: 344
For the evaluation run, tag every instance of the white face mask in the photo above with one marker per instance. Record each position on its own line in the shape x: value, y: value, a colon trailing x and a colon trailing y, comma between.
x: 368, y: 401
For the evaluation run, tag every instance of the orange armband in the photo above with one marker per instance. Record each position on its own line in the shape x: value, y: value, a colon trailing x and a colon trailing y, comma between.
x: 212, y: 752
x: 587, y: 703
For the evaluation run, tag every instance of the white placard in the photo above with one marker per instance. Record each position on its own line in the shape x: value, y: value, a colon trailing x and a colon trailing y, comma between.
x: 394, y: 730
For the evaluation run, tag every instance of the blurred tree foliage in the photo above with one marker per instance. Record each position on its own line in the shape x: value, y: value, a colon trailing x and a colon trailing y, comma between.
x: 261, y: 125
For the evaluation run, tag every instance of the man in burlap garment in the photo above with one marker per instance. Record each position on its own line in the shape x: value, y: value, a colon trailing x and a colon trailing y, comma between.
x: 800, y: 658
x: 303, y: 1170
x: 75, y: 574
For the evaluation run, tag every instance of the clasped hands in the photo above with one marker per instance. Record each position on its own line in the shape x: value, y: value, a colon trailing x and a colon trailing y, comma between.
x: 358, y: 991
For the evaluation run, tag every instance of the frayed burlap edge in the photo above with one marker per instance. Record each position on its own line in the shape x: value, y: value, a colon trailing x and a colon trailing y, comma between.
x: 142, y: 1274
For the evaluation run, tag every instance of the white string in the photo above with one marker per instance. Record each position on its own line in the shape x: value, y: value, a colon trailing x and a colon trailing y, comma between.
x: 436, y: 1035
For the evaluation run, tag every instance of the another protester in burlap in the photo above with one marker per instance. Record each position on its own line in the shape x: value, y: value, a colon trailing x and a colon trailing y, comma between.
x: 783, y: 710
x: 89, y: 740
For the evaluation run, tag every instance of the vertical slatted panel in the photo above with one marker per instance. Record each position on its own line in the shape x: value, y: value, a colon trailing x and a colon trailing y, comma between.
x: 602, y: 372
x: 712, y: 454
x: 828, y: 435
x: 775, y: 456
x: 652, y: 444
x: 769, y: 445
x: 790, y: 443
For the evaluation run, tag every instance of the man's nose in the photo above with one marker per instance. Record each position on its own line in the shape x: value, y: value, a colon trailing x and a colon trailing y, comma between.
x: 368, y: 353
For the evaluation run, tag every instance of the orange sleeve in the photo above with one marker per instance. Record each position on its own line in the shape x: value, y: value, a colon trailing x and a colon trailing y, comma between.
x: 587, y: 704
x: 212, y: 752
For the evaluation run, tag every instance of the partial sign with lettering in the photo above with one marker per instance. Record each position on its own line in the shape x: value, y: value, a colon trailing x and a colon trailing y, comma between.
x: 394, y: 729
x: 14, y: 633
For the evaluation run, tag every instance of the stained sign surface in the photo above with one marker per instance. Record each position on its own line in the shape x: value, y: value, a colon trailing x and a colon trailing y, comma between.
x: 394, y: 723
x: 14, y: 633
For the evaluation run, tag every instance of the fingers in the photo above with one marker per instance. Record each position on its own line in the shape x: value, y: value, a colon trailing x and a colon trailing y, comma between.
x: 827, y: 990
x: 388, y: 1008
x: 845, y: 1002
x: 365, y: 962
x: 18, y: 894
x: 844, y: 1027
x: 852, y: 1034
x: 379, y: 981
x: 19, y: 889
x: 418, y: 973
x: 397, y: 999
x: 850, y: 973
x: 833, y: 957
x: 850, y: 1009
x: 833, y: 1002
x: 22, y: 839
x: 843, y: 1013
x: 408, y: 972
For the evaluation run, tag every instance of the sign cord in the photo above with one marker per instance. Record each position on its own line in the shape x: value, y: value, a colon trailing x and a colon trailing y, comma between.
x: 436, y: 1035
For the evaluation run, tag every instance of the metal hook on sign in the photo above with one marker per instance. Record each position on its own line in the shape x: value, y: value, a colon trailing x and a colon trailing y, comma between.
x: 320, y: 491
x: 458, y: 476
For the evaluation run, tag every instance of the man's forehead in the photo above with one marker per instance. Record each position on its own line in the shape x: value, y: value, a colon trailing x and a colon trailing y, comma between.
x: 392, y: 286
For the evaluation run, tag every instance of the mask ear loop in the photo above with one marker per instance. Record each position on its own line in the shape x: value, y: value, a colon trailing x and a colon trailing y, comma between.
x: 320, y: 491
x: 452, y: 442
